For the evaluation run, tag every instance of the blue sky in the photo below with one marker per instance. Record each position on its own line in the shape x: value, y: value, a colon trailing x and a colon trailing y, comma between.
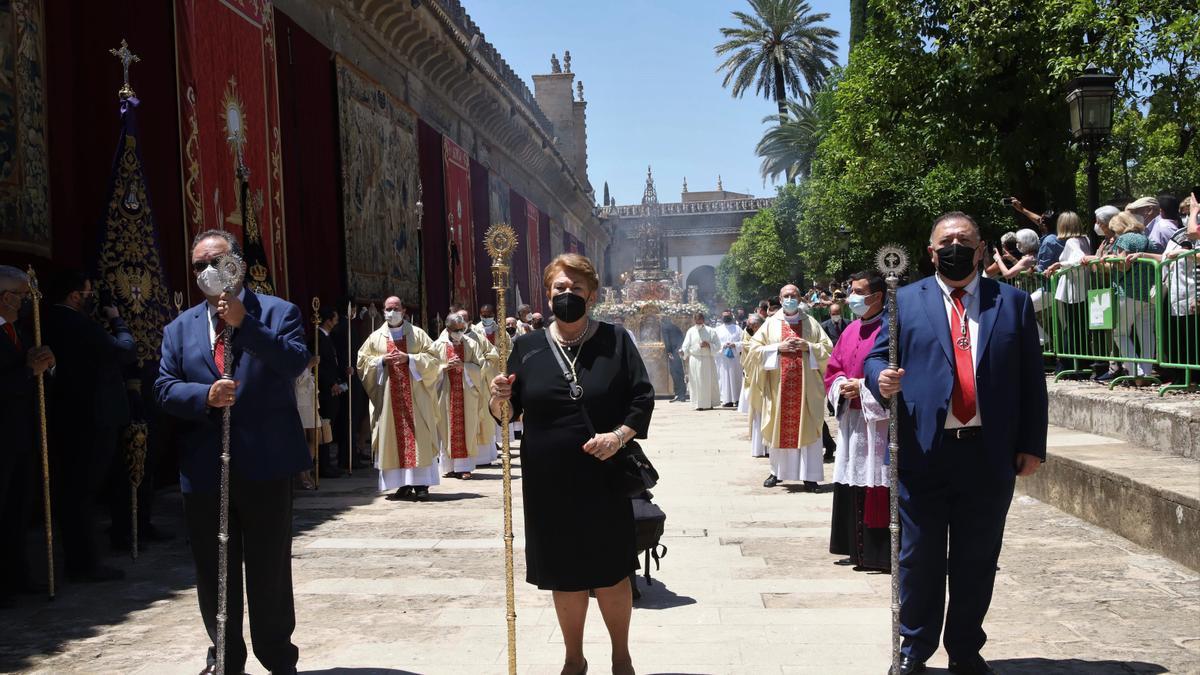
x: 649, y: 74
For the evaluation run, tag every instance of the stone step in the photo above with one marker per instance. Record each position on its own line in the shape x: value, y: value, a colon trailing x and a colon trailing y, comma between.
x: 1169, y: 424
x: 1145, y: 495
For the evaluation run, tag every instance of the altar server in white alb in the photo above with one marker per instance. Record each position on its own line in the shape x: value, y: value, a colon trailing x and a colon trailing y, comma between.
x: 752, y: 372
x: 399, y: 371
x: 729, y: 365
x: 700, y: 348
x: 793, y: 351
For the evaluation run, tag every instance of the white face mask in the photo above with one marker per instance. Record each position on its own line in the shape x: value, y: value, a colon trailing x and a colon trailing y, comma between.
x: 394, y: 317
x: 488, y: 321
x: 456, y: 335
x: 209, y: 282
x: 1099, y: 232
x: 790, y: 305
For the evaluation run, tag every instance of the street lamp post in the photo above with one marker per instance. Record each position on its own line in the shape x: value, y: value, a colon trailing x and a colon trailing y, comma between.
x: 844, y: 247
x: 1090, y: 100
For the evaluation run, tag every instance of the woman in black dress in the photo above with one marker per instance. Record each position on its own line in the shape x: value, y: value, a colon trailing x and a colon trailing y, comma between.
x: 579, y: 534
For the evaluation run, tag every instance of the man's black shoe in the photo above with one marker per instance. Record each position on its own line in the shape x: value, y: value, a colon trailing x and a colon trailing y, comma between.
x: 811, y: 486
x: 844, y: 562
x: 98, y: 574
x: 771, y: 481
x: 421, y: 493
x: 975, y: 666
x: 907, y: 666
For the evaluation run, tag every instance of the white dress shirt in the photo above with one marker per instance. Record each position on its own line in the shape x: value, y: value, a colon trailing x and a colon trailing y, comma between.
x: 970, y: 301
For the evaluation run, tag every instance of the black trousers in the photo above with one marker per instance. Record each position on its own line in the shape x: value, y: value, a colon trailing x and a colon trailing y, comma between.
x: 675, y: 366
x: 867, y: 547
x: 80, y: 469
x: 17, y: 486
x: 260, y: 538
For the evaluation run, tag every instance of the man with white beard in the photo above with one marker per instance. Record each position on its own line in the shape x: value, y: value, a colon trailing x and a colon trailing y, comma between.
x: 729, y: 366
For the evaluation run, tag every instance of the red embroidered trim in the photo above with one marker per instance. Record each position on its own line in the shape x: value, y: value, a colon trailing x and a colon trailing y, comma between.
x: 791, y: 392
x: 400, y: 387
x: 458, y: 413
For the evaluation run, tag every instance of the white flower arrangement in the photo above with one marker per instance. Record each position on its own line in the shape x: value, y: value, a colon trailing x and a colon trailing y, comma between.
x: 609, y: 311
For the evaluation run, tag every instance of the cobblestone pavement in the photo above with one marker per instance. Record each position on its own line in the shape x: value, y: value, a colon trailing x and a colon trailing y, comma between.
x: 747, y: 587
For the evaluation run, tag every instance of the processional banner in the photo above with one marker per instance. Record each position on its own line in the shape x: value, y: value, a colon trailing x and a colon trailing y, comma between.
x: 379, y: 188
x: 24, y: 181
x: 458, y: 223
x: 129, y: 264
x: 229, y: 112
x: 532, y: 220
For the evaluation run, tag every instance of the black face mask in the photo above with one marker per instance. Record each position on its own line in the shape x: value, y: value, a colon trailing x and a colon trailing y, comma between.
x: 955, y: 261
x: 727, y: 319
x: 568, y: 307
x: 511, y: 330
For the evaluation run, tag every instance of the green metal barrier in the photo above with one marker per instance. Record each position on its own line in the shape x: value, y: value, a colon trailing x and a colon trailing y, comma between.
x: 1038, y: 287
x: 1179, y: 321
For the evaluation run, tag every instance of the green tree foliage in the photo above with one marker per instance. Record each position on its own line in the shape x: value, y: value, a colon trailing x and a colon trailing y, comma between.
x: 953, y: 104
x: 788, y: 147
x: 766, y: 254
x: 780, y: 48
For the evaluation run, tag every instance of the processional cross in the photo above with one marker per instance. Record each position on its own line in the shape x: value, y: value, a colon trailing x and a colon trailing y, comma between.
x: 126, y: 57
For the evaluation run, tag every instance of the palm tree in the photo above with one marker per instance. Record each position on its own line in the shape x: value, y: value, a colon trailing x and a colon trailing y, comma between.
x: 788, y: 148
x: 782, y: 49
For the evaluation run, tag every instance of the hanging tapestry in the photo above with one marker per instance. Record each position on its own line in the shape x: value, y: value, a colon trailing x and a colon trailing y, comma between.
x: 458, y: 223
x: 532, y: 219
x: 379, y: 188
x: 129, y: 265
x: 572, y: 244
x: 229, y: 116
x: 24, y: 181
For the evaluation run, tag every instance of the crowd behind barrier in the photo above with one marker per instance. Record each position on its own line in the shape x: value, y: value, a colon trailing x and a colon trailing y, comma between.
x: 1140, y: 314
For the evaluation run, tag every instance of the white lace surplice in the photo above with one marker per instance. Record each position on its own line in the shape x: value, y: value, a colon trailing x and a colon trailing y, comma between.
x: 862, y: 440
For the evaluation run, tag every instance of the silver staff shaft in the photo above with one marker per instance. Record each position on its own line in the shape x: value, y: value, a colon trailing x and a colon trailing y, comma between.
x: 894, y: 467
x: 350, y: 388
x: 223, y: 513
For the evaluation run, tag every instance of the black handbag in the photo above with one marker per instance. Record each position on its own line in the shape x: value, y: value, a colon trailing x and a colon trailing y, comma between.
x: 630, y: 471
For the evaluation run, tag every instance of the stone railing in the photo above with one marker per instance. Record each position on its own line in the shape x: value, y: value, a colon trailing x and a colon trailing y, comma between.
x: 687, y: 208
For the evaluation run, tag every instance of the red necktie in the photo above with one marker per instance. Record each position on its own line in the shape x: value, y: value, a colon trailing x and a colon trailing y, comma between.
x: 12, y: 335
x: 219, y: 346
x: 962, y: 401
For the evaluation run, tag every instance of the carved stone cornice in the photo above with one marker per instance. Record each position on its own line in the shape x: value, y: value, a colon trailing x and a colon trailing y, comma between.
x: 689, y: 208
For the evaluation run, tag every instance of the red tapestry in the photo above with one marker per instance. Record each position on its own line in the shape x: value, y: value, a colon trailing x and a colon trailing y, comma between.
x: 229, y: 105
x: 532, y: 219
x: 458, y: 223
x: 458, y: 411
x: 400, y: 390
x: 791, y: 391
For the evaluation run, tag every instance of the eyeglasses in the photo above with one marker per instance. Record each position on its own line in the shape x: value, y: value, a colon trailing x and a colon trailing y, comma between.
x: 201, y: 265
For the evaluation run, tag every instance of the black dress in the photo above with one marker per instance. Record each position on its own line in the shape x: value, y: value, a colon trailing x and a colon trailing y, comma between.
x: 578, y: 534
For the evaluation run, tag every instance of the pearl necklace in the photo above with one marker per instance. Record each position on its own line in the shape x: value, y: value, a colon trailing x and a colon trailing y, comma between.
x: 574, y: 341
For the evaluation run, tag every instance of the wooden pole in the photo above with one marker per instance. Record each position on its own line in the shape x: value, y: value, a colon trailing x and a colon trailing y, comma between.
x: 36, y: 292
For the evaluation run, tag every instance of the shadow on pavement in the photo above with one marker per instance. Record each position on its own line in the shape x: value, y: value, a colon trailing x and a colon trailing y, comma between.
x: 1074, y: 666
x: 658, y: 596
x: 358, y: 671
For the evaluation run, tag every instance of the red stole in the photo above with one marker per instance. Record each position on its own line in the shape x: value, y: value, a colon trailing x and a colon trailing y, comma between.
x: 400, y: 388
x: 458, y: 413
x: 791, y: 391
x: 491, y: 336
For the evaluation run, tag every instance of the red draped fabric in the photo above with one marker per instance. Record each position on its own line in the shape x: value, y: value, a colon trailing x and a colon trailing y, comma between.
x: 435, y: 272
x: 228, y: 102
x: 308, y: 121
x: 459, y: 223
x: 481, y: 217
x: 520, y: 257
x: 572, y: 244
x: 532, y: 220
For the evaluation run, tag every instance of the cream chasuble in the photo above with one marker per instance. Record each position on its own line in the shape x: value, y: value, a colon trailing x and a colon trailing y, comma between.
x: 790, y: 389
x: 403, y: 413
x: 459, y: 396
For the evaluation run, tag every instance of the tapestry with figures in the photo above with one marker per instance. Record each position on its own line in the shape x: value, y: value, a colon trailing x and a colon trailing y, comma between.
x: 24, y: 181
x: 379, y: 188
x: 229, y: 120
x: 129, y: 264
x: 459, y: 223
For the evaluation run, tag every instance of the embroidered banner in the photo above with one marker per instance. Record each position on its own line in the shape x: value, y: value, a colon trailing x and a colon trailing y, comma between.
x: 24, y: 181
x: 532, y: 219
x: 229, y: 111
x: 379, y: 188
x: 572, y: 244
x: 458, y: 224
x: 129, y: 265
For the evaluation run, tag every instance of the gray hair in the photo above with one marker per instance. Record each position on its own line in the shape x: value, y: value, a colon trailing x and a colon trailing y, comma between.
x: 754, y: 318
x: 455, y: 320
x: 1027, y: 240
x: 234, y: 247
x: 1105, y: 213
x: 1007, y: 237
x: 12, y: 277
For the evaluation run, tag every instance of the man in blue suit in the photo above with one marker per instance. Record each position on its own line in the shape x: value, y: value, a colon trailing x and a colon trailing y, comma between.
x: 267, y: 449
x: 972, y: 418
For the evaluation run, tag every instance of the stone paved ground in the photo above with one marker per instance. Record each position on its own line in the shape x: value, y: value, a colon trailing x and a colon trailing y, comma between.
x: 746, y: 588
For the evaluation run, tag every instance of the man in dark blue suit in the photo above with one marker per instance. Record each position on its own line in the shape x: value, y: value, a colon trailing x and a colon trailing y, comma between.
x: 267, y: 449
x: 972, y: 418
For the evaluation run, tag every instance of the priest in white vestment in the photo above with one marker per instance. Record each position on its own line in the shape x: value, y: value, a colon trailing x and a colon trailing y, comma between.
x: 729, y: 365
x: 700, y: 348
x: 398, y: 370
x: 487, y: 330
x: 752, y: 372
x: 460, y: 387
x: 792, y: 350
